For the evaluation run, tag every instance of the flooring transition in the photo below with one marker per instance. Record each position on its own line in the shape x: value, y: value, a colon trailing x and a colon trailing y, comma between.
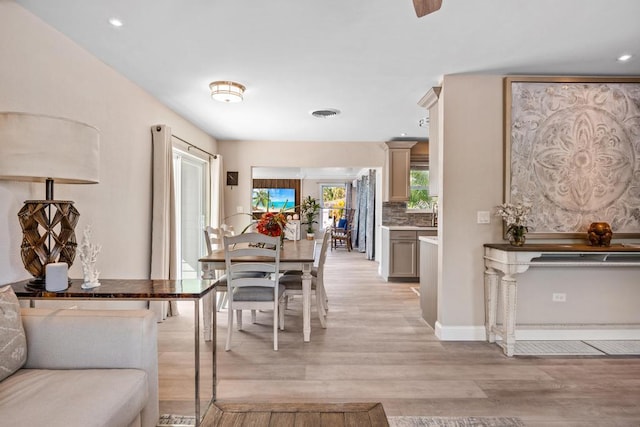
x: 180, y: 420
x: 577, y: 348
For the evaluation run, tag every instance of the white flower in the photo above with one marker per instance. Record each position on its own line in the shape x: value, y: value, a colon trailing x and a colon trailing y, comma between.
x: 514, y: 214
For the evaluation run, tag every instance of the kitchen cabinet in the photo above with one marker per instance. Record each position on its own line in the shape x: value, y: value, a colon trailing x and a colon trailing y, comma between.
x: 398, y: 167
x: 401, y: 252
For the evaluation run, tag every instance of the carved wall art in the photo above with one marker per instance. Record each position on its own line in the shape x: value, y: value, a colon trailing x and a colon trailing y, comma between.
x: 572, y: 150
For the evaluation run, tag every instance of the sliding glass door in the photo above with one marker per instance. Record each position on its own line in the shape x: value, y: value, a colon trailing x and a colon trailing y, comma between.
x: 191, y: 184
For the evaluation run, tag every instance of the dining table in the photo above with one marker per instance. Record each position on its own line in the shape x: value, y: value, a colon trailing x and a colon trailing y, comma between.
x: 294, y: 255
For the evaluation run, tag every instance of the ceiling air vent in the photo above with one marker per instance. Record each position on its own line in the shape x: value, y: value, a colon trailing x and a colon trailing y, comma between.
x: 326, y: 113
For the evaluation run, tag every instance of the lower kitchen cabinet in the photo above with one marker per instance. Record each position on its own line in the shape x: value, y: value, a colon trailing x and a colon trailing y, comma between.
x: 401, y: 253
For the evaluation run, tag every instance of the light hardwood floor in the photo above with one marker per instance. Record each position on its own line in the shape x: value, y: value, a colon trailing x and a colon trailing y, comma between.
x: 376, y: 348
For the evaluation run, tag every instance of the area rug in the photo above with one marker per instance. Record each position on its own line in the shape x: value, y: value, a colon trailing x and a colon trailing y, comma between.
x: 455, y: 422
x: 617, y: 347
x: 181, y: 420
x: 177, y: 420
x: 555, y: 348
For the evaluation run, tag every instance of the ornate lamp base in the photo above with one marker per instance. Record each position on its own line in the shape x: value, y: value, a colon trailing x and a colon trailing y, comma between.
x: 48, y: 235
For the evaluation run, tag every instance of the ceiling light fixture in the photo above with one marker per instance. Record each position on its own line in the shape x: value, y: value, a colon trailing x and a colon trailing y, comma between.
x: 624, y: 58
x: 224, y: 91
x: 116, y: 22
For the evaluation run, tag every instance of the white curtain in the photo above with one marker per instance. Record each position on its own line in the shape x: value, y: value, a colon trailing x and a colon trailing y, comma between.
x: 217, y: 191
x: 164, y: 260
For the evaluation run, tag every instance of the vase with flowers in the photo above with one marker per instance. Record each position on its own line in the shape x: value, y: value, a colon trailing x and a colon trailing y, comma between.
x: 272, y: 224
x: 515, y: 218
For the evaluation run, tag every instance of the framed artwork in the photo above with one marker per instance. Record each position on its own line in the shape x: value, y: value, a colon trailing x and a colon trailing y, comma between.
x: 232, y: 178
x: 572, y: 151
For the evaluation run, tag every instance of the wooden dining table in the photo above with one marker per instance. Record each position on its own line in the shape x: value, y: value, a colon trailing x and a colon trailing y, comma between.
x: 294, y: 255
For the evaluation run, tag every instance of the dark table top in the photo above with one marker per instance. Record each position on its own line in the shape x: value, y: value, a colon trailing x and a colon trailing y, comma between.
x: 122, y: 289
x: 292, y: 251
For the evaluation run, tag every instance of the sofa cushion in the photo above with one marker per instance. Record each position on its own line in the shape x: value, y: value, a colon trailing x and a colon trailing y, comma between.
x: 13, y: 343
x: 84, y: 397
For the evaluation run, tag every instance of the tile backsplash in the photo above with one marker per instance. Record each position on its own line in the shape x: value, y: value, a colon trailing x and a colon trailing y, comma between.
x: 395, y: 213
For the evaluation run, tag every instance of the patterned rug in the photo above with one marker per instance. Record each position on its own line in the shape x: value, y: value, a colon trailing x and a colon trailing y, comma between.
x: 182, y: 420
x: 578, y: 348
x: 455, y: 422
x: 177, y: 420
x: 617, y: 347
x: 555, y: 348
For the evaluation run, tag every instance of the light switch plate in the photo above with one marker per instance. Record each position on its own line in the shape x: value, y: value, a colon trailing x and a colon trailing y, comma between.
x: 484, y: 217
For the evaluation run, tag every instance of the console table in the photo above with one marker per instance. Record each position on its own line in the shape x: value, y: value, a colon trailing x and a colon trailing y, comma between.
x: 504, y: 261
x: 145, y: 290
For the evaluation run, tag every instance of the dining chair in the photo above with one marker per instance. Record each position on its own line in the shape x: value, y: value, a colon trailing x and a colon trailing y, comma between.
x: 253, y: 253
x: 213, y: 240
x: 341, y: 232
x: 293, y: 283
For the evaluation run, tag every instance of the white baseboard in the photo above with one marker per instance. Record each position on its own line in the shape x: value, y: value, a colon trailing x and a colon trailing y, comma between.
x: 477, y: 333
x: 460, y: 333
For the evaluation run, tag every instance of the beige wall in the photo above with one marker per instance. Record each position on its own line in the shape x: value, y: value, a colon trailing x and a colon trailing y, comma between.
x: 471, y: 180
x: 42, y: 71
x: 241, y: 156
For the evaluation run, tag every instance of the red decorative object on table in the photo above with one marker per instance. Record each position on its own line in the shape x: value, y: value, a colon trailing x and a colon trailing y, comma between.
x: 272, y: 224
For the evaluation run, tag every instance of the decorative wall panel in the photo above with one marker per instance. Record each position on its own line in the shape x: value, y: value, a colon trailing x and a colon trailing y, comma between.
x: 572, y: 150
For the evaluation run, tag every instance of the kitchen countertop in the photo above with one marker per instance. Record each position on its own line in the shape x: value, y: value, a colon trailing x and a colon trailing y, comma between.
x: 408, y: 227
x: 429, y: 239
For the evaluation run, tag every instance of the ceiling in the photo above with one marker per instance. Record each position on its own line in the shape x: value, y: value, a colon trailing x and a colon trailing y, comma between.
x: 371, y: 59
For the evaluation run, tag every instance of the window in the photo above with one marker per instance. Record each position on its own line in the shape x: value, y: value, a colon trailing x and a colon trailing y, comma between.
x: 419, y: 198
x: 334, y: 201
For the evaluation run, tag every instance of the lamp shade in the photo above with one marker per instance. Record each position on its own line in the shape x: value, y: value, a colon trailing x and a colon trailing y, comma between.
x: 38, y: 147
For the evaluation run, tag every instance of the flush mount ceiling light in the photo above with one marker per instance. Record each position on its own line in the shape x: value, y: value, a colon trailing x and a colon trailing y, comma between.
x: 226, y: 91
x: 116, y: 22
x: 325, y: 113
x: 624, y: 58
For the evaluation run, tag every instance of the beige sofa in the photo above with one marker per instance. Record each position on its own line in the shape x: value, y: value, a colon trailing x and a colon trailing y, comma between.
x: 84, y: 368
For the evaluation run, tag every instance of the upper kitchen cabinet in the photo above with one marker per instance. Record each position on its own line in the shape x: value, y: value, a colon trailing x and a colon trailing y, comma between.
x: 398, y: 166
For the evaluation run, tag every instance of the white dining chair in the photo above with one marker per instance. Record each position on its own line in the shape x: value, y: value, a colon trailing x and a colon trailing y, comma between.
x: 293, y: 282
x: 213, y: 240
x: 251, y: 292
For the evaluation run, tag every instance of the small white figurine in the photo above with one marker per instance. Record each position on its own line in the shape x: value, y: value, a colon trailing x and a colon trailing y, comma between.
x: 88, y: 256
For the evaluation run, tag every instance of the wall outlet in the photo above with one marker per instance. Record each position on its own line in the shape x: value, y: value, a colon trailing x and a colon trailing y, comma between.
x: 484, y: 217
x: 559, y: 297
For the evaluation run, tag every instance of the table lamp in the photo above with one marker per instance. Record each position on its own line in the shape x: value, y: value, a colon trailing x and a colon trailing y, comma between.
x: 39, y: 148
